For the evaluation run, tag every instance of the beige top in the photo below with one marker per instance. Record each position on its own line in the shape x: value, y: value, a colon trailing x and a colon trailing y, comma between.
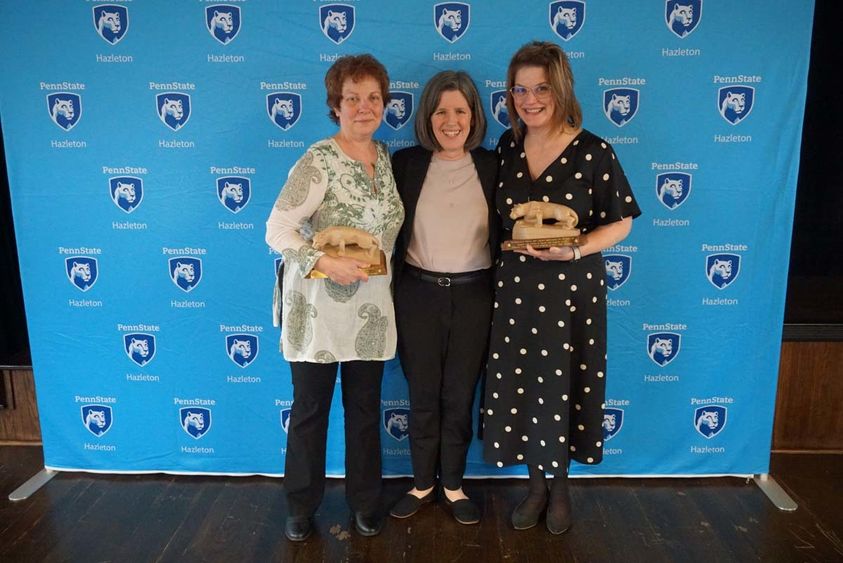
x: 451, y: 226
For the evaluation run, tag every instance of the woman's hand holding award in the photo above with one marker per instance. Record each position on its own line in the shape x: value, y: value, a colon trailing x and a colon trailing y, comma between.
x: 530, y: 227
x: 352, y: 243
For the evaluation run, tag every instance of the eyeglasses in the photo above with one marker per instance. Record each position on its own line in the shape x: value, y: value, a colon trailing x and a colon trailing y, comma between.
x: 539, y: 91
x: 354, y: 100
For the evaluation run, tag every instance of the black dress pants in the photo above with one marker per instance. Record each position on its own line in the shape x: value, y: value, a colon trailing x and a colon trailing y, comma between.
x: 443, y: 334
x: 304, y: 472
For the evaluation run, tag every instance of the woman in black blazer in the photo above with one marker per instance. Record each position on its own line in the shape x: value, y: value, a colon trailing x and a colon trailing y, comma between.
x: 443, y: 284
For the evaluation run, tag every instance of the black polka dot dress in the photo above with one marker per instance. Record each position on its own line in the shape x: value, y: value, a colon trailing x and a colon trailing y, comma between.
x: 546, y: 375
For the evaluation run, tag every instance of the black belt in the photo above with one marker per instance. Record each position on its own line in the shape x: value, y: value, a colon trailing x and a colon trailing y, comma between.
x: 445, y: 279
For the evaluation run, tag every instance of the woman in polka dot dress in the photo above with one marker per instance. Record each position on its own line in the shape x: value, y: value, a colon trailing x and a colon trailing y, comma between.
x: 547, y: 354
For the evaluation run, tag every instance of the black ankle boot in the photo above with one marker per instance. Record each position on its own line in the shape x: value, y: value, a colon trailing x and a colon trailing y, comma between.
x: 559, y: 509
x: 527, y: 513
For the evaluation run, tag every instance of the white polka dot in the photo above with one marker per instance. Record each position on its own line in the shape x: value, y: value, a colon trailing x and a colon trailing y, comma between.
x: 499, y: 149
x: 561, y: 277
x: 573, y: 287
x: 603, y: 145
x: 591, y: 341
x: 573, y: 309
x: 522, y: 155
x: 567, y: 302
x: 507, y: 428
x: 524, y: 438
x: 497, y: 445
x: 500, y: 464
x: 519, y: 457
x: 557, y: 418
x: 523, y: 258
x: 512, y: 321
x: 512, y: 144
x: 601, y: 282
x: 590, y: 460
x: 558, y: 372
x: 500, y: 284
x: 577, y: 142
x: 506, y: 339
x: 517, y: 279
x: 543, y: 443
x: 517, y: 371
x: 564, y: 397
x: 496, y: 305
x: 599, y: 374
x: 564, y: 160
x: 541, y: 287
x: 500, y: 185
x: 496, y: 355
x: 498, y: 375
x: 520, y: 391
x: 555, y: 464
x: 489, y: 411
x: 573, y: 448
x: 598, y: 444
x: 509, y: 201
x: 519, y: 175
x: 548, y: 179
x: 540, y: 379
x: 583, y: 367
x: 566, y: 345
x: 513, y: 410
x: 541, y: 309
x: 569, y: 197
x: 594, y: 299
x: 535, y: 331
x: 562, y: 439
x: 535, y: 420
x: 628, y: 199
x: 617, y: 194
x: 578, y: 407
x: 606, y: 176
x: 578, y: 175
x: 544, y: 352
x: 541, y: 401
x: 561, y: 324
x: 545, y: 199
x: 495, y: 395
x: 517, y: 300
x: 501, y: 162
x: 541, y: 467
x: 580, y: 427
x: 588, y: 156
x: 588, y: 275
x: 587, y: 389
x: 588, y: 321
x: 590, y: 212
x: 523, y: 351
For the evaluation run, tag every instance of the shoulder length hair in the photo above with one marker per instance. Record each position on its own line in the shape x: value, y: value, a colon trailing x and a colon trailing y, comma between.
x: 449, y: 80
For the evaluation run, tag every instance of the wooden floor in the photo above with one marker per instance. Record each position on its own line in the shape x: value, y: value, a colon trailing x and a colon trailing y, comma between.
x: 85, y: 517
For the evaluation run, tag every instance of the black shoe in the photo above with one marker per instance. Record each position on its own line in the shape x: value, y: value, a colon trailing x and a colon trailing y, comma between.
x: 298, y: 528
x: 410, y: 504
x: 527, y: 513
x: 368, y: 524
x: 558, y: 518
x: 464, y: 511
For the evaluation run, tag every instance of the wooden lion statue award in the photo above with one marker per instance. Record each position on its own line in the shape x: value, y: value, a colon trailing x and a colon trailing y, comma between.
x: 530, y: 227
x: 353, y: 243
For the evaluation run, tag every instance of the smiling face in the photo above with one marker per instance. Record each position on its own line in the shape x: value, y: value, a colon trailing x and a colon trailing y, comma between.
x: 451, y: 123
x: 535, y: 112
x: 361, y: 108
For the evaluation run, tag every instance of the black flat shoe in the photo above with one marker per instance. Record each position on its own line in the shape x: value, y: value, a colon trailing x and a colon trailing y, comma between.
x: 368, y: 524
x: 410, y: 504
x: 464, y: 511
x: 528, y: 512
x: 298, y: 528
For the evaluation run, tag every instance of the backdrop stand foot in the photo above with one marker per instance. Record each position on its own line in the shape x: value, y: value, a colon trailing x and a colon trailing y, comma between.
x: 774, y: 492
x: 32, y: 485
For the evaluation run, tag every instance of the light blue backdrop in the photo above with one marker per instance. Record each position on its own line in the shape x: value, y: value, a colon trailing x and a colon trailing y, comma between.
x: 135, y: 371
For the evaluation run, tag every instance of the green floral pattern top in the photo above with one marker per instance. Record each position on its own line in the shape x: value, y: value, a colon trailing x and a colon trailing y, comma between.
x: 323, y: 321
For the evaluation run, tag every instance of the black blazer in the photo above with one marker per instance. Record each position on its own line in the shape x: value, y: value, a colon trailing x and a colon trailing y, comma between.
x: 410, y: 169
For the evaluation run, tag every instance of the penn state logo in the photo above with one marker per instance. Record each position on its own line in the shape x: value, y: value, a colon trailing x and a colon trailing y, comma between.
x: 451, y: 20
x: 336, y: 21
x: 242, y: 348
x: 673, y: 188
x: 612, y: 423
x: 682, y: 16
x: 195, y: 421
x: 285, y: 419
x: 566, y: 18
x: 722, y: 269
x: 710, y: 420
x: 97, y: 419
x: 111, y: 22
x: 186, y: 272
x: 398, y: 109
x: 284, y: 108
x: 663, y: 347
x: 397, y: 423
x: 618, y: 269
x: 735, y: 102
x: 620, y: 105
x: 82, y: 271
x: 234, y: 192
x: 173, y: 109
x: 497, y: 104
x: 65, y: 109
x: 126, y: 192
x: 140, y: 347
x: 223, y: 22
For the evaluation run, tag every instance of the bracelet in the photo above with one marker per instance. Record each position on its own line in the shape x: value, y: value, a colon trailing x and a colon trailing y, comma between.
x: 577, y: 253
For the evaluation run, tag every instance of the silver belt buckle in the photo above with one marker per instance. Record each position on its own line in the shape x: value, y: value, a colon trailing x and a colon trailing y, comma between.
x: 443, y: 282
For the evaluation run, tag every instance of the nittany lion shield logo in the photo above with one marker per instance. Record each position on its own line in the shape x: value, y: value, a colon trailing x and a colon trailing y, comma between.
x: 223, y: 22
x: 451, y: 20
x: 65, y: 109
x: 398, y: 109
x: 735, y: 102
x: 682, y: 16
x: 126, y: 192
x: 82, y: 271
x: 111, y: 22
x: 620, y: 105
x: 673, y: 188
x: 710, y: 420
x: 186, y: 272
x: 196, y: 421
x: 722, y: 269
x: 97, y: 419
x: 397, y: 423
x: 618, y: 269
x: 234, y: 192
x: 242, y: 348
x: 336, y: 21
x: 284, y: 108
x: 497, y: 105
x: 173, y: 109
x: 612, y: 423
x: 285, y: 419
x: 663, y: 347
x: 140, y: 347
x: 566, y: 18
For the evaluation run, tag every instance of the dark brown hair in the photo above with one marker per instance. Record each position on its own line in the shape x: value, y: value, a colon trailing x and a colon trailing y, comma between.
x: 357, y: 68
x: 553, y: 60
x: 449, y: 80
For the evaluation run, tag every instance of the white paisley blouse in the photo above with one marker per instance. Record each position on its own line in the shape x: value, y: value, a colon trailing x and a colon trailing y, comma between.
x: 323, y: 321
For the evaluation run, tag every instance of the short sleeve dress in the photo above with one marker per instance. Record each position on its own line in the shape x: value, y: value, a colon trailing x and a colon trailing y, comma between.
x: 546, y: 376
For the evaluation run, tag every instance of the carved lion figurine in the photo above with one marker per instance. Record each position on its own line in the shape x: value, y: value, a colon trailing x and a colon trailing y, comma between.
x: 341, y: 237
x: 536, y: 211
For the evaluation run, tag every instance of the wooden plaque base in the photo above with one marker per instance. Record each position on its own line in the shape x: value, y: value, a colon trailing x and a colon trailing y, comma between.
x: 376, y: 267
x: 541, y: 243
